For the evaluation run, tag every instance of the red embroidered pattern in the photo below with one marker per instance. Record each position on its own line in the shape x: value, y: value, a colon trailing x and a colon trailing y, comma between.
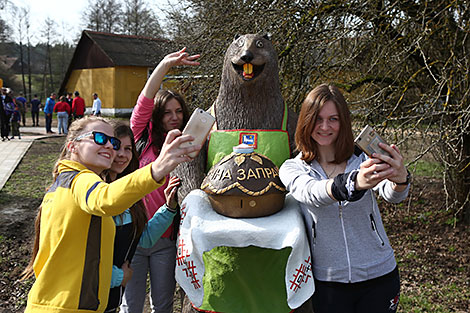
x: 182, y: 252
x: 301, y: 275
x: 190, y: 272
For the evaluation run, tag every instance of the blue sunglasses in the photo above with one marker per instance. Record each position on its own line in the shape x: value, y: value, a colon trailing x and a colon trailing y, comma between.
x: 101, y: 139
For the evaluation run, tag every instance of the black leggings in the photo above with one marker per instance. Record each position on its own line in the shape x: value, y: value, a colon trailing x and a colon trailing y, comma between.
x: 378, y: 295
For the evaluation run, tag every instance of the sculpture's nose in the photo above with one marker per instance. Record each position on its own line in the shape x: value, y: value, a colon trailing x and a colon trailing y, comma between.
x: 247, y: 56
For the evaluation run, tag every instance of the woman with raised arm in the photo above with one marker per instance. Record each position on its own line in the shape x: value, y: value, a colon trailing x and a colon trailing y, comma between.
x: 156, y: 113
x: 132, y: 228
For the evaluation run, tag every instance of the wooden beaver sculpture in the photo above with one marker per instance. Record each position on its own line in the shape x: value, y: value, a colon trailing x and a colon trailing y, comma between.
x: 249, y: 99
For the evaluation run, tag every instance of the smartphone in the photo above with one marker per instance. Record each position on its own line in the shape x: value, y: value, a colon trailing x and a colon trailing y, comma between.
x: 368, y: 141
x: 198, y: 126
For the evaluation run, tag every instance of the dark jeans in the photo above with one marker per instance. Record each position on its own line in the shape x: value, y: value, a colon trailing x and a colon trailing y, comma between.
x: 5, y: 129
x: 23, y: 117
x: 15, y: 129
x: 378, y: 295
x: 48, y: 122
x: 6, y: 126
x: 35, y: 117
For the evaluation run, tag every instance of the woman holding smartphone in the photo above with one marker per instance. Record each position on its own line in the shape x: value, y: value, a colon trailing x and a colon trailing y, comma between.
x: 156, y: 113
x: 353, y: 263
x: 73, y: 250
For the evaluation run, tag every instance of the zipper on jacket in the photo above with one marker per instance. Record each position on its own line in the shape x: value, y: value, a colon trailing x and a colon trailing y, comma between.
x: 345, y: 240
x: 375, y: 230
x: 314, y: 235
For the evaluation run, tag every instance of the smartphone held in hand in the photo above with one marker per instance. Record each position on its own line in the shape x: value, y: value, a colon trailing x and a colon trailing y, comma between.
x: 368, y: 141
x: 199, y: 126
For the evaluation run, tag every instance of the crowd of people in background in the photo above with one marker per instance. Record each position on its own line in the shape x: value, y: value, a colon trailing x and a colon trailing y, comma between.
x: 13, y: 111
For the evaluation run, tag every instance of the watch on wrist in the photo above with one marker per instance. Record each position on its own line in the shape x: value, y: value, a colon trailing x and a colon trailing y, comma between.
x: 408, y: 179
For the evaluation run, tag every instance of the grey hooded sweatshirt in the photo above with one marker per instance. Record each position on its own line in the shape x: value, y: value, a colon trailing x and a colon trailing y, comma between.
x: 347, y: 239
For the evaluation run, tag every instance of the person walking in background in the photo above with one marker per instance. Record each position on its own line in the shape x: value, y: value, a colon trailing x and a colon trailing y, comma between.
x: 132, y: 228
x: 69, y: 100
x: 78, y: 106
x: 353, y: 263
x: 96, y: 109
x: 154, y: 116
x: 21, y: 103
x: 3, y: 116
x: 72, y: 254
x: 48, y: 110
x: 15, y: 119
x: 62, y: 109
x: 35, y: 106
x: 9, y: 108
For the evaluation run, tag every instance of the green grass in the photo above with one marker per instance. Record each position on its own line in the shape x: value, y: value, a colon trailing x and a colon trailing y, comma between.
x: 33, y: 175
x: 426, y: 169
x: 423, y: 299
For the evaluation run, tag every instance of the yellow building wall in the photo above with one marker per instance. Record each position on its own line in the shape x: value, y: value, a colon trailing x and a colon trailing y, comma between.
x: 117, y: 87
x: 89, y: 81
x: 103, y: 82
x: 80, y: 80
x: 129, y: 83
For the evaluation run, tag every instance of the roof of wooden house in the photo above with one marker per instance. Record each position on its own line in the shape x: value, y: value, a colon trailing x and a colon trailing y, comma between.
x: 98, y: 50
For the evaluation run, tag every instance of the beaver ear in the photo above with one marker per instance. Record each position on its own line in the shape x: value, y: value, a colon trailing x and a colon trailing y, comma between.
x: 267, y: 36
x: 236, y: 37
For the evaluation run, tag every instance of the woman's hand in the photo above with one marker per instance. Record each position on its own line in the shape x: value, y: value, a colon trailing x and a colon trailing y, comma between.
x: 173, y: 59
x: 171, y: 154
x: 181, y: 58
x: 127, y: 273
x: 381, y: 167
x: 398, y: 171
x: 170, y: 192
x: 371, y: 172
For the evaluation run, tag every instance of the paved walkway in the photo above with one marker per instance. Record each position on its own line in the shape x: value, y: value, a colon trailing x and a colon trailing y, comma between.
x: 12, y: 151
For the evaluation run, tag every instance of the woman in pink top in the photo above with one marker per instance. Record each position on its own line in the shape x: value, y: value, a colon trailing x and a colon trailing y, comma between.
x: 156, y: 113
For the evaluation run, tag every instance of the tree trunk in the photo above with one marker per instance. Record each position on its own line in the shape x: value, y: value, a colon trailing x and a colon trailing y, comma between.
x: 29, y: 96
x: 22, y: 67
x: 464, y: 177
x: 50, y: 66
x: 44, y: 74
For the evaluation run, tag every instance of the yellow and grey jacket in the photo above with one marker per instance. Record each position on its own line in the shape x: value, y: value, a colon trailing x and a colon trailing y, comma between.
x: 75, y: 258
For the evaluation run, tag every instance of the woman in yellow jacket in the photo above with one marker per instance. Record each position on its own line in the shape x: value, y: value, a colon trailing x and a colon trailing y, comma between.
x: 73, y: 251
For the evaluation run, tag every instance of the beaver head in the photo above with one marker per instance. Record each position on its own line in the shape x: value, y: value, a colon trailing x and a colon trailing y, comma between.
x: 250, y: 88
x: 249, y: 55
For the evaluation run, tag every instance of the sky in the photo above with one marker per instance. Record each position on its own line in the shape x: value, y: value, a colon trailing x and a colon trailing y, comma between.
x: 66, y: 13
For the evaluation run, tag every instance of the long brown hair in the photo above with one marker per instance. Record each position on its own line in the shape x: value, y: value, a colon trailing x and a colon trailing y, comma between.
x: 76, y: 129
x: 313, y: 103
x: 161, y: 99
x: 138, y: 211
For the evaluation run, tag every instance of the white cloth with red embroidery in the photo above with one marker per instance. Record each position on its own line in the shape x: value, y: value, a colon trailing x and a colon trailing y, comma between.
x: 202, y: 229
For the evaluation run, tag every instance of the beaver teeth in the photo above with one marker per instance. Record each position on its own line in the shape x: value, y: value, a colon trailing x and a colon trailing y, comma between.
x: 248, y: 70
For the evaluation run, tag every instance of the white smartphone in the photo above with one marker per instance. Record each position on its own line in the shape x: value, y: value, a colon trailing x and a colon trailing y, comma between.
x: 198, y: 126
x: 368, y: 141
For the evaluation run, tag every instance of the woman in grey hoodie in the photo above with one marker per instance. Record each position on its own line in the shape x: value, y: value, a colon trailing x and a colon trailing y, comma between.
x: 353, y: 263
